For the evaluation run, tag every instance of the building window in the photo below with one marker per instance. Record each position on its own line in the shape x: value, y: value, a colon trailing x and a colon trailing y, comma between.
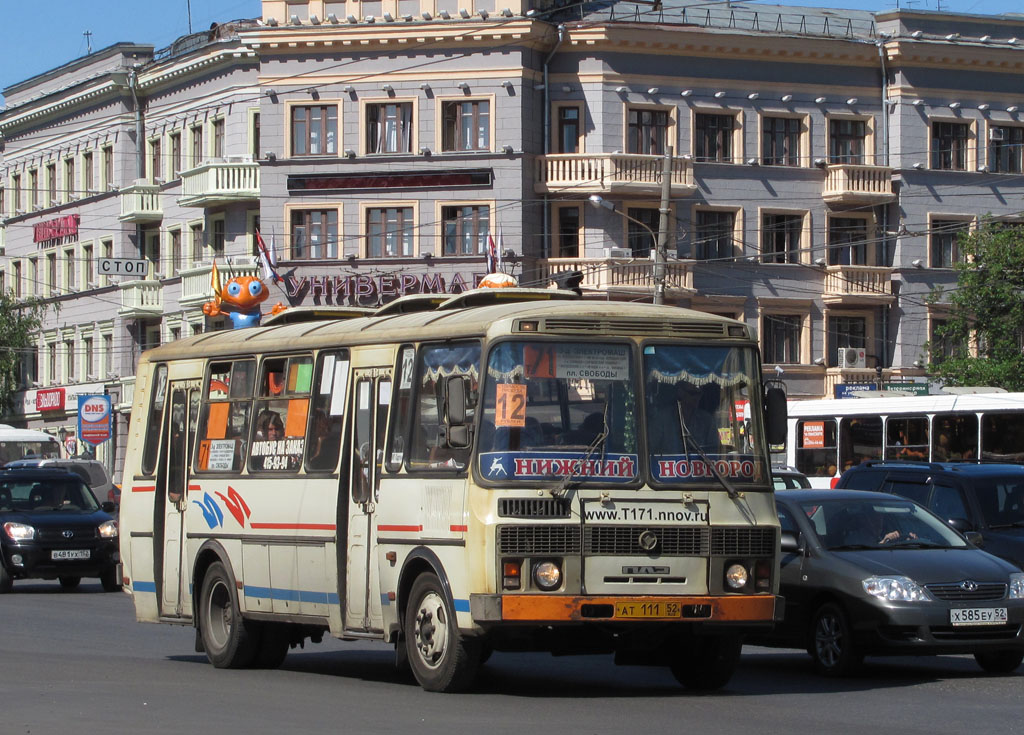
x: 51, y: 362
x: 942, y: 345
x: 314, y: 130
x: 151, y: 251
x: 218, y: 236
x: 69, y: 270
x: 568, y: 129
x: 1006, y: 149
x: 845, y: 331
x: 781, y: 238
x: 196, y: 237
x: 175, y: 155
x: 780, y: 141
x: 17, y: 280
x: 713, y: 137
x: 254, y: 136
x: 647, y: 131
x: 16, y: 204
x: 218, y: 138
x: 87, y: 359
x: 51, y: 184
x: 945, y: 237
x: 198, y: 152
x: 107, y: 248
x: 713, y: 234
x: 640, y: 238
x: 69, y: 360
x: 847, y: 140
x: 568, y: 233
x: 175, y: 264
x: 315, y: 234
x: 34, y: 190
x: 389, y: 232
x: 108, y: 168
x: 88, y: 173
x: 88, y: 263
x: 70, y: 186
x: 781, y: 334
x: 51, y: 274
x: 949, y: 146
x: 466, y: 125
x: 466, y: 229
x: 847, y: 241
x: 389, y: 127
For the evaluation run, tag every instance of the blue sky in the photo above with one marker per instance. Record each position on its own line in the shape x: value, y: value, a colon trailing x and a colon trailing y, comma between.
x: 38, y: 36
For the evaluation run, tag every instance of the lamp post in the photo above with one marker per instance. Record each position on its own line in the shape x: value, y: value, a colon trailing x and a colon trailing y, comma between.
x: 661, y: 237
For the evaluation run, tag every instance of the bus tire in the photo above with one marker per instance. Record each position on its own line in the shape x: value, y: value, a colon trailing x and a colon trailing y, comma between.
x: 441, y: 658
x: 706, y: 663
x: 275, y: 640
x: 69, y: 583
x: 229, y: 640
x: 6, y: 581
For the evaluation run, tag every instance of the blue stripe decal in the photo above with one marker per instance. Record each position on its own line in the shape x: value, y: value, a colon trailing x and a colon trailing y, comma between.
x: 461, y: 605
x: 144, y: 586
x: 325, y: 598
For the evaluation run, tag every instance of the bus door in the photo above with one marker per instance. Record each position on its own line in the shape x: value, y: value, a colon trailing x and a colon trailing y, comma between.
x: 371, y: 397
x: 174, y: 461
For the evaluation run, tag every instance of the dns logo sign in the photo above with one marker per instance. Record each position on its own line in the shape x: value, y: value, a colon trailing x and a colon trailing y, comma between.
x: 94, y: 419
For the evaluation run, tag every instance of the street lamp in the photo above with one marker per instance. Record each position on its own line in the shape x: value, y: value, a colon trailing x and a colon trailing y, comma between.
x: 600, y: 202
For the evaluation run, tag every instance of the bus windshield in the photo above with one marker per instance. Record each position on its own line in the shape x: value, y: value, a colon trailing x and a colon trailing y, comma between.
x: 699, y: 413
x: 558, y: 410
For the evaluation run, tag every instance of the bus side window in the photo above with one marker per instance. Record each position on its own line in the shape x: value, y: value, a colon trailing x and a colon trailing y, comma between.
x: 860, y: 440
x: 282, y: 414
x: 401, y: 412
x: 816, y: 447
x: 327, y: 417
x: 158, y: 393
x: 954, y: 437
x: 227, y: 406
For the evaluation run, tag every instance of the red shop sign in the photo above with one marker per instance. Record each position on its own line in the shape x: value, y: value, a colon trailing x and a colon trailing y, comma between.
x: 51, y: 399
x: 56, y: 229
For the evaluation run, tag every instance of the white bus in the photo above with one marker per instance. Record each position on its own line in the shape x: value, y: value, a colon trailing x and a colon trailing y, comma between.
x: 26, y: 444
x: 826, y: 437
x: 506, y: 470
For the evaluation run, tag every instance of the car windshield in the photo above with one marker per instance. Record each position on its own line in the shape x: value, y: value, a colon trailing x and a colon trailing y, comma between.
x: 29, y: 495
x: 1001, y: 500
x: 868, y: 524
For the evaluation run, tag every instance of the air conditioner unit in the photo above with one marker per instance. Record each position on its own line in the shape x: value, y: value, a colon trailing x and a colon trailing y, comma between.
x: 852, y: 357
x: 238, y: 158
x: 245, y: 261
x: 996, y: 133
x: 618, y: 253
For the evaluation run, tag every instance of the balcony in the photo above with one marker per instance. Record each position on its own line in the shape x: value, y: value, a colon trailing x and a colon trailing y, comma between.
x: 140, y: 203
x: 195, y: 282
x: 141, y: 299
x: 623, y: 174
x: 858, y: 284
x: 218, y: 182
x: 623, y: 275
x: 848, y: 183
x: 837, y: 376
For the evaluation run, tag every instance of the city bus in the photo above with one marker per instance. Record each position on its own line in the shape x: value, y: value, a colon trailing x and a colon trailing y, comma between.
x: 502, y: 470
x: 826, y: 437
x: 26, y: 444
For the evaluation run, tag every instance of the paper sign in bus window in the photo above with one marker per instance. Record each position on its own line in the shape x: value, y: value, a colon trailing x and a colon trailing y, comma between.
x: 298, y: 410
x: 591, y: 362
x: 814, y: 435
x: 539, y: 361
x: 217, y: 427
x: 222, y: 455
x: 338, y: 390
x: 510, y: 408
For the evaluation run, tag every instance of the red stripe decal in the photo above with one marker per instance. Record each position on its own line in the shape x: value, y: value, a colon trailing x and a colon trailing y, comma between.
x: 295, y: 526
x: 194, y: 488
x: 460, y: 529
x: 411, y: 529
x: 144, y: 488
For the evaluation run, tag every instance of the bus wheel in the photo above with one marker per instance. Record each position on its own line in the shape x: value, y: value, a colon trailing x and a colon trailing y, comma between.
x: 69, y: 583
x: 706, y: 662
x: 274, y: 644
x: 229, y: 640
x: 441, y: 658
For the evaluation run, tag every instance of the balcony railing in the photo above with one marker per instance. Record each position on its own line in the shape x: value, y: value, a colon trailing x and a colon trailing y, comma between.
x: 141, y: 203
x: 141, y: 299
x: 857, y: 284
x: 622, y: 274
x: 837, y: 376
x: 848, y: 183
x: 610, y: 173
x: 215, y: 183
x: 195, y: 282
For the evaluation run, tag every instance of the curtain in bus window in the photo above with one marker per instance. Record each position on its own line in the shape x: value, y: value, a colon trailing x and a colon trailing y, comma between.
x: 1002, y: 437
x: 954, y: 437
x: 436, y: 365
x: 816, y: 449
x: 860, y: 439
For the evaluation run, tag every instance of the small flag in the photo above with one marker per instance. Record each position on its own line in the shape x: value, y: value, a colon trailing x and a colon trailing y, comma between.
x: 267, y: 260
x: 501, y: 247
x: 215, y: 280
x: 492, y: 255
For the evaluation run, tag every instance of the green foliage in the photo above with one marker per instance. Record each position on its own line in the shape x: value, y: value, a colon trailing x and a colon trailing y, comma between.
x: 986, y: 313
x: 20, y: 322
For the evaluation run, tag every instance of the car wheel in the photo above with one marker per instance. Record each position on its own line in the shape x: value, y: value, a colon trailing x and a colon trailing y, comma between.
x: 228, y: 639
x: 706, y: 662
x: 109, y: 580
x: 6, y: 581
x: 441, y: 658
x: 832, y: 647
x: 999, y: 662
x: 69, y: 583
x: 274, y: 644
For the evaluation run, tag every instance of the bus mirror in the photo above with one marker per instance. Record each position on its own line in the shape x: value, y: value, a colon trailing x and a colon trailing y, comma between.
x: 775, y: 415
x: 456, y: 400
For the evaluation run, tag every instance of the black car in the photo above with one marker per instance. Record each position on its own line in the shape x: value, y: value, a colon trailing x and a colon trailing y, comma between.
x: 872, y: 574
x: 52, y: 527
x: 986, y: 497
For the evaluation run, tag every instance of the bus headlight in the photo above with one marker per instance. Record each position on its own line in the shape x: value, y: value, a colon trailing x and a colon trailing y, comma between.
x: 108, y: 529
x: 736, y: 576
x: 547, y: 575
x: 19, y: 531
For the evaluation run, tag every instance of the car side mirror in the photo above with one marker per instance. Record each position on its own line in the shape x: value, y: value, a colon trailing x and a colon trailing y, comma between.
x: 108, y: 507
x: 790, y: 542
x: 961, y: 524
x: 975, y: 538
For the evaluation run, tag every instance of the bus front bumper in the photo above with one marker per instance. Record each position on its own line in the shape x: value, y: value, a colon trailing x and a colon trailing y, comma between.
x: 551, y: 609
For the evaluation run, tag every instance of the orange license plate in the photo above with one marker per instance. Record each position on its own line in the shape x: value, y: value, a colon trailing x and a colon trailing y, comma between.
x: 634, y: 609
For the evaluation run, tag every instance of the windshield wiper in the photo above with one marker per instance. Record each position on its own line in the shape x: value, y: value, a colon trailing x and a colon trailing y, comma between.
x: 687, y: 436
x: 853, y: 547
x: 597, y: 443
x: 919, y: 544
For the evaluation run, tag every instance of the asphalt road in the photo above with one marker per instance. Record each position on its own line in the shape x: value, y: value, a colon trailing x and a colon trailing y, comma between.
x: 79, y: 663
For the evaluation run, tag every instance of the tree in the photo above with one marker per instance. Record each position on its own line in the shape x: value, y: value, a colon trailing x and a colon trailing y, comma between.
x: 981, y: 341
x: 20, y: 322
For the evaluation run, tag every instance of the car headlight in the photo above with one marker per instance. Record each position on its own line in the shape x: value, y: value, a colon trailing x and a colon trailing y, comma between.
x: 547, y: 575
x: 901, y: 589
x: 19, y: 531
x: 108, y: 529
x: 1016, y: 588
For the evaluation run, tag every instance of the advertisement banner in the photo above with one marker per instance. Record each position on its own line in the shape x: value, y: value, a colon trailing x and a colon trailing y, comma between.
x: 94, y: 419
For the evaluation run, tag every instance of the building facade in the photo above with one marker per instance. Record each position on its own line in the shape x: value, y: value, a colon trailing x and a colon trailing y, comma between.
x: 819, y: 165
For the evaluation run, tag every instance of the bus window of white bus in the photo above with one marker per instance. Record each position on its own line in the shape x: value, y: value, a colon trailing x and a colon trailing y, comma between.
x: 1002, y: 437
x: 153, y: 424
x: 327, y: 418
x: 860, y: 439
x: 954, y: 437
x: 282, y: 412
x: 227, y: 409
x: 907, y: 438
x: 816, y: 448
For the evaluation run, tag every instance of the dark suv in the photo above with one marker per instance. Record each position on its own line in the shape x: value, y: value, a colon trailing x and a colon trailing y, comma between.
x: 51, y: 527
x: 986, y: 497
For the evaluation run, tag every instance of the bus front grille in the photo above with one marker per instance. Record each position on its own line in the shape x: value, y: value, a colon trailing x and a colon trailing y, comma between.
x: 676, y: 328
x: 533, y: 508
x: 756, y: 541
x: 626, y: 540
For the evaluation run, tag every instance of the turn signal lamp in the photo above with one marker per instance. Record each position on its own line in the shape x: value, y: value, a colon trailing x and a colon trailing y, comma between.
x: 512, y: 575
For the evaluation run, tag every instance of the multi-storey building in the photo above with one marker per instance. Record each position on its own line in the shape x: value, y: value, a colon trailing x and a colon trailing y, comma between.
x: 820, y: 165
